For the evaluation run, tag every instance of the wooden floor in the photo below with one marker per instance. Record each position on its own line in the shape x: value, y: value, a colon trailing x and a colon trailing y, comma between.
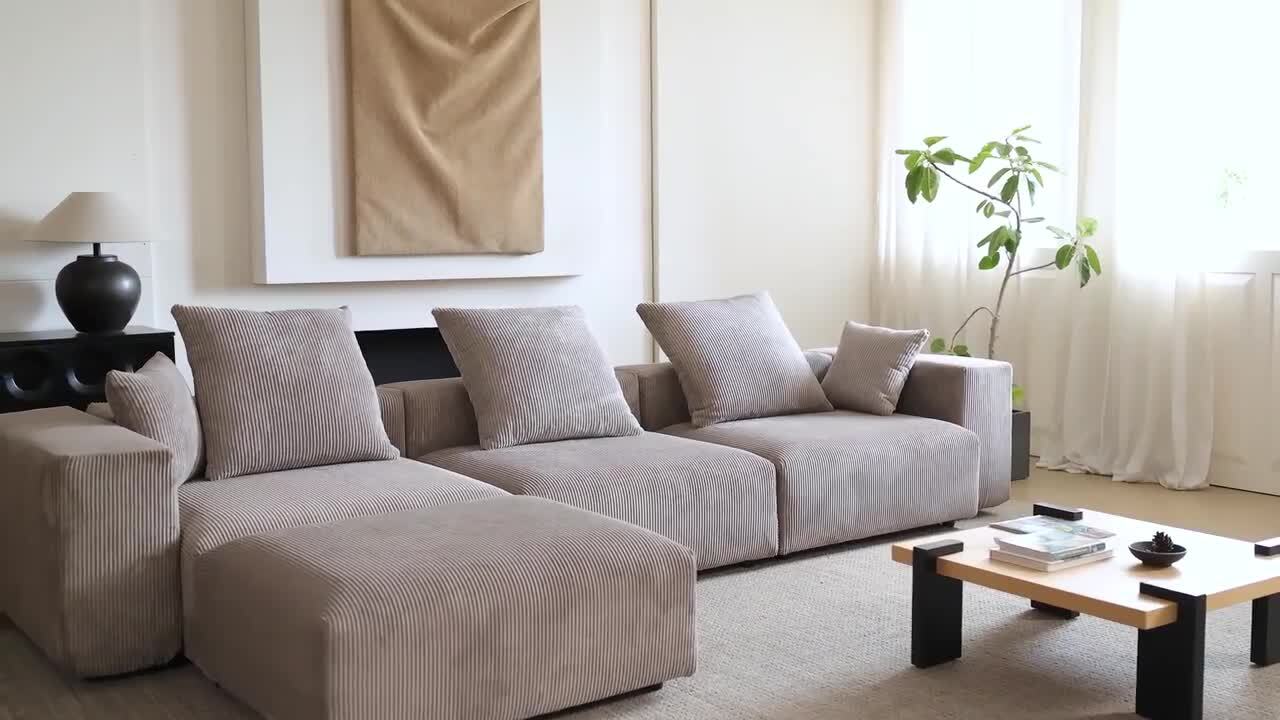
x: 1232, y: 513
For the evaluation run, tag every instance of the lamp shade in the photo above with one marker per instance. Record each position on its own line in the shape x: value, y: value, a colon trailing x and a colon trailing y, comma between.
x: 91, y: 217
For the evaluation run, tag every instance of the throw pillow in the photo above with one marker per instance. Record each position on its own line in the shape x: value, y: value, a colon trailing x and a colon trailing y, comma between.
x: 155, y: 402
x: 281, y: 390
x: 871, y: 366
x: 535, y: 375
x: 735, y: 358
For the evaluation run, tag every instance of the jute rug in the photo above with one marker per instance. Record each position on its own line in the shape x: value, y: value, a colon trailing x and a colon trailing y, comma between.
x: 816, y: 637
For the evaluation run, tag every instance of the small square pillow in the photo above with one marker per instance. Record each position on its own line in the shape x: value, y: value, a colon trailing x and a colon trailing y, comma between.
x: 871, y: 366
x: 735, y: 358
x: 281, y: 390
x: 535, y: 375
x: 155, y: 402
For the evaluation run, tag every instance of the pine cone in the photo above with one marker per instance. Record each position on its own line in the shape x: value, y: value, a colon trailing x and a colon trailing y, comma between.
x: 1162, y: 543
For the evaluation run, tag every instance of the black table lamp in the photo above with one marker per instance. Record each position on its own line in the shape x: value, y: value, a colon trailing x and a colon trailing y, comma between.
x: 98, y: 293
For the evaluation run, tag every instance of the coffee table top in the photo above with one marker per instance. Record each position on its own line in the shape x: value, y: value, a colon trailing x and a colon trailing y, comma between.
x: 1226, y: 571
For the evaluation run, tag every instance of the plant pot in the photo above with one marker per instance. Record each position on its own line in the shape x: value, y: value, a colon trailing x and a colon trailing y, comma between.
x: 1142, y: 551
x: 1021, y: 445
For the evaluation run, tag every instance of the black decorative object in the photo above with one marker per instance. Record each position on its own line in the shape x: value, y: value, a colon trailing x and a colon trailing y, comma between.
x: 937, y: 606
x: 1060, y: 512
x: 98, y: 293
x: 1159, y: 551
x: 62, y: 367
x: 1021, y: 445
x: 1171, y: 660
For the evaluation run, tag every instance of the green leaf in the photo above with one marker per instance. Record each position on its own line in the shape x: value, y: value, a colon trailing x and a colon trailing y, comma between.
x: 1048, y: 166
x: 1092, y: 256
x: 945, y: 156
x: 1004, y: 149
x: 938, y: 345
x: 1024, y: 138
x: 991, y: 236
x: 929, y: 183
x: 1063, y: 257
x: 988, y: 262
x: 996, y: 178
x: 1022, y: 152
x: 914, y: 179
x: 1031, y: 191
x: 961, y: 350
x: 1030, y: 220
x: 903, y: 152
x: 977, y: 161
x: 1004, y: 213
x: 989, y: 210
x: 934, y: 140
x: 1058, y: 232
x: 1039, y: 178
x: 1020, y: 130
x: 1019, y: 396
x: 1085, y: 271
x: 1087, y: 226
x: 913, y: 159
x: 1010, y: 188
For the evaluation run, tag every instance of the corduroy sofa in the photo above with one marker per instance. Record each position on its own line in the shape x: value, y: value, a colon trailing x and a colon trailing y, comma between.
x: 751, y: 489
x: 109, y: 567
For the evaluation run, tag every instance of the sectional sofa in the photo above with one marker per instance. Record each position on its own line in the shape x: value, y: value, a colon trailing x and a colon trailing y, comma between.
x: 453, y: 581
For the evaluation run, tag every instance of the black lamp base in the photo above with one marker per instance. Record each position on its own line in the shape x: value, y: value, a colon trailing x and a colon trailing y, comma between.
x: 98, y: 293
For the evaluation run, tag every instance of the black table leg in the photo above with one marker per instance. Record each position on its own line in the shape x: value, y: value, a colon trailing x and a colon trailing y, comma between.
x: 937, y: 606
x: 1171, y: 660
x: 1063, y: 613
x: 1266, y: 631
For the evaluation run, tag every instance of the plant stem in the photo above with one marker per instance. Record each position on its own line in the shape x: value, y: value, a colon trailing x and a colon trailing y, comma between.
x: 966, y: 322
x: 1016, y: 211
x: 1049, y: 264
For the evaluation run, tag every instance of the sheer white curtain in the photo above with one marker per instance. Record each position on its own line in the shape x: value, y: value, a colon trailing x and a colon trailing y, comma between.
x: 1118, y: 375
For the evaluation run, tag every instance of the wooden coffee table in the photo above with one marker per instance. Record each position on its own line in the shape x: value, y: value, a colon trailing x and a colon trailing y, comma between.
x: 1167, y: 605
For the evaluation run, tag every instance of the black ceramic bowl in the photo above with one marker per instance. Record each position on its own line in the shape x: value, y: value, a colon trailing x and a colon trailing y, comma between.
x: 1142, y: 551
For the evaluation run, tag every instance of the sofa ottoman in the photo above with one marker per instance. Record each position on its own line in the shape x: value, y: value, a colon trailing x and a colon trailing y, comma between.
x: 502, y: 608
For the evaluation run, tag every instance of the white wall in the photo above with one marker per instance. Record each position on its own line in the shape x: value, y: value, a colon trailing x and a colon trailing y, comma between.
x: 149, y: 97
x: 764, y: 124
x: 766, y: 111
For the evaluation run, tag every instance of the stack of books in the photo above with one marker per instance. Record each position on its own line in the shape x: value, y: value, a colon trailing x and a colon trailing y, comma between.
x: 1048, y: 544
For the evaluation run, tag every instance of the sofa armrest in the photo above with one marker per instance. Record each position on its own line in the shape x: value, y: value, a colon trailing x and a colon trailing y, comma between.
x: 973, y: 393
x: 89, y: 541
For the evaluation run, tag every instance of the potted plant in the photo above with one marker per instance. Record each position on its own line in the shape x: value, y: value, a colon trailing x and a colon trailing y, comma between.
x: 1006, y: 196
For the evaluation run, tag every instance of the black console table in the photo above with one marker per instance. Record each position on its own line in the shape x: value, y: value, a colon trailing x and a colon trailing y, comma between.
x: 64, y: 367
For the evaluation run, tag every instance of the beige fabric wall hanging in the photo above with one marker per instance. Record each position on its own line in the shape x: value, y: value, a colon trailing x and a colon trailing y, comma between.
x: 446, y: 110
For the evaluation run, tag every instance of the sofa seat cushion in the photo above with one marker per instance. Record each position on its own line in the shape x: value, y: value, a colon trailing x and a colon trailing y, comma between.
x: 844, y: 475
x: 718, y: 501
x: 218, y: 512
x: 491, y: 610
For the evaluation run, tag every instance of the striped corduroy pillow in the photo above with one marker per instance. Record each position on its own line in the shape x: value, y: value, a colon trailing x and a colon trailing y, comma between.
x: 735, y: 358
x: 871, y: 367
x: 281, y: 390
x: 535, y: 375
x: 155, y: 402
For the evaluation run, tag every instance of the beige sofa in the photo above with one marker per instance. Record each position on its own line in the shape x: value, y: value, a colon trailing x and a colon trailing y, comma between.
x: 102, y: 556
x: 751, y: 489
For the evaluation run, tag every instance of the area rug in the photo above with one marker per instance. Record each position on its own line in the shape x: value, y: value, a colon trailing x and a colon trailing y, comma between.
x: 822, y: 636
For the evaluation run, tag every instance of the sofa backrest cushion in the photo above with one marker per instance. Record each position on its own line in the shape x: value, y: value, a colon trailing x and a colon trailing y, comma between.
x: 155, y: 402
x: 735, y: 358
x: 535, y: 375
x: 281, y: 390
